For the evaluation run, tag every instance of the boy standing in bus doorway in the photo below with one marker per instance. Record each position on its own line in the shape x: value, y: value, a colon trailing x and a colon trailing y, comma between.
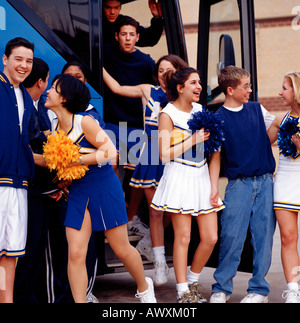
x: 124, y: 116
x: 16, y: 160
x: 148, y: 36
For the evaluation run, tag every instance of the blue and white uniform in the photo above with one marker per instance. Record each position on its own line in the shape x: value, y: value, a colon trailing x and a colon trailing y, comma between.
x: 100, y: 190
x: 16, y: 166
x: 185, y: 186
x: 286, y: 186
x: 150, y: 169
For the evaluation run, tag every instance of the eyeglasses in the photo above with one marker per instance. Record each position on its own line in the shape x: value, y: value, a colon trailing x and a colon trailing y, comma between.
x: 245, y: 88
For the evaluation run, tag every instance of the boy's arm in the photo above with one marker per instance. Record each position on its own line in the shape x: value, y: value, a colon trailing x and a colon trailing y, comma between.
x: 214, y: 171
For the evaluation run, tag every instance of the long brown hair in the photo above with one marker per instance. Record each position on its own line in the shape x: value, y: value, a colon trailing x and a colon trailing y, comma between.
x: 175, y: 60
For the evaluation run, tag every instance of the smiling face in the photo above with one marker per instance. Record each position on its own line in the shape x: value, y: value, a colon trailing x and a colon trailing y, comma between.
x: 127, y: 38
x: 241, y: 93
x: 191, y: 89
x: 287, y: 93
x: 18, y: 65
x: 54, y: 98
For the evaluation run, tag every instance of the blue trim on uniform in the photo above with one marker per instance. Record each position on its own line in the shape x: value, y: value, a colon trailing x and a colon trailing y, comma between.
x: 286, y: 206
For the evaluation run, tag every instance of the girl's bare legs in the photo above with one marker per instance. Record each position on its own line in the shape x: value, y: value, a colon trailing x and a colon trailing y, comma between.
x: 288, y: 224
x: 78, y: 241
x: 156, y: 221
x: 182, y: 231
x: 208, y: 230
x: 130, y: 257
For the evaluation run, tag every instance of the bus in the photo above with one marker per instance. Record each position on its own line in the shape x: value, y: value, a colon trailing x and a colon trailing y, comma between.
x: 65, y: 30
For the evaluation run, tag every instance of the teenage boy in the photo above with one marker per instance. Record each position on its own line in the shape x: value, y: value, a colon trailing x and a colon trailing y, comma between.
x: 249, y: 165
x: 122, y: 116
x: 16, y: 160
x: 148, y: 36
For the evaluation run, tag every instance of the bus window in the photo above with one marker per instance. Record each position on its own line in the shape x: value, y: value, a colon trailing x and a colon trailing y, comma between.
x: 225, y: 19
x: 69, y: 19
x: 2, y: 19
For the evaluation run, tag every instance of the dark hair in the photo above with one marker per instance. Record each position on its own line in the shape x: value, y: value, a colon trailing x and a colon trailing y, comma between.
x: 75, y: 92
x: 40, y: 70
x: 173, y: 79
x: 125, y: 21
x: 83, y: 69
x: 17, y: 42
x: 175, y: 60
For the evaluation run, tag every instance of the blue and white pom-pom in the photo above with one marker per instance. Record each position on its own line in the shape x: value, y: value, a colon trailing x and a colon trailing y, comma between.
x: 213, y: 124
x: 286, y: 131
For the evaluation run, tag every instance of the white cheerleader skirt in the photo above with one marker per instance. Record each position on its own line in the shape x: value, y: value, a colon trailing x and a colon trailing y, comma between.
x: 286, y: 186
x: 185, y: 190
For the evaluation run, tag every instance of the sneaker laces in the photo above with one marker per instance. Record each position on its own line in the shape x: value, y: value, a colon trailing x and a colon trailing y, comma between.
x: 187, y: 297
x: 194, y: 288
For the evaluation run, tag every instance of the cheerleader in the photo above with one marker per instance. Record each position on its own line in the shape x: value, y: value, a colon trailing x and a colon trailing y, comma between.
x: 96, y: 201
x: 149, y: 170
x: 188, y: 187
x: 286, y: 187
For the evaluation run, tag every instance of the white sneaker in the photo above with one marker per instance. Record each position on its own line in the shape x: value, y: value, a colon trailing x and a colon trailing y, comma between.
x: 291, y: 296
x: 144, y: 247
x: 217, y: 298
x: 147, y: 296
x: 161, y: 271
x: 136, y: 227
x: 255, y: 298
x: 91, y: 298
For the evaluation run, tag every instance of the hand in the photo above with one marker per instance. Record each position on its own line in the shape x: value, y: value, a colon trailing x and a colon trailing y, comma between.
x: 155, y: 8
x: 296, y: 140
x: 214, y: 198
x: 201, y: 136
x: 56, y: 196
x: 64, y: 184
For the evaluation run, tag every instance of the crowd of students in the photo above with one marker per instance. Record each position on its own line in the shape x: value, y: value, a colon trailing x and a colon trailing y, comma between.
x: 178, y: 181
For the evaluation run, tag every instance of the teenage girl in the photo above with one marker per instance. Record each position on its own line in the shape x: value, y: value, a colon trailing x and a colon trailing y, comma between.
x: 286, y: 189
x: 96, y: 201
x: 148, y: 172
x: 188, y: 187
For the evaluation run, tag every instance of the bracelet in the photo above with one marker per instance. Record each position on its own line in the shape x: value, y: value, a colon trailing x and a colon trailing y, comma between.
x: 81, y: 161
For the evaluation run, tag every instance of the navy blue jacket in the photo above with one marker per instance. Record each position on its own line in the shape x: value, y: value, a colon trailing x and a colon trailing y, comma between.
x: 16, y: 159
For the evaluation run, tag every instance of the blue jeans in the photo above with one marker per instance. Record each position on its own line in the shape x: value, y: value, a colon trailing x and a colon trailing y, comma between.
x: 249, y: 203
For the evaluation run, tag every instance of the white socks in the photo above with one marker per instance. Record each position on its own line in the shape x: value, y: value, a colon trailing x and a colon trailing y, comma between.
x: 184, y: 287
x: 192, y: 277
x: 159, y: 254
x: 293, y: 286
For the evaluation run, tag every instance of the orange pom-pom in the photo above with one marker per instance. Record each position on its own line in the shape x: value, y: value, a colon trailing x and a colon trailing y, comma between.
x: 59, y: 152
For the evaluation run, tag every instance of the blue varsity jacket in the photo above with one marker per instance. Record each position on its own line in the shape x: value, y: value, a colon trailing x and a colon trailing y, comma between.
x: 16, y: 160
